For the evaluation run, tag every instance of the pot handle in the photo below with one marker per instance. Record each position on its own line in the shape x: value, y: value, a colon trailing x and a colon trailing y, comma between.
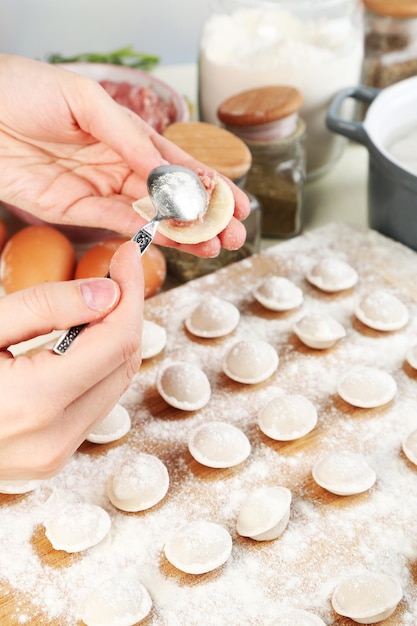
x: 352, y: 130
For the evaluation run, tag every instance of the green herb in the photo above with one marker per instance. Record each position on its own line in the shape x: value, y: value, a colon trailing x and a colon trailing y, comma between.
x: 124, y: 56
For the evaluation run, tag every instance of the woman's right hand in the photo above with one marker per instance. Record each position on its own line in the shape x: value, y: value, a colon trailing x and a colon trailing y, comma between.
x: 51, y: 402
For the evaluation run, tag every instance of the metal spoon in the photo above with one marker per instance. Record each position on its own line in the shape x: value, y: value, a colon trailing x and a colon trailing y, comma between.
x: 176, y: 193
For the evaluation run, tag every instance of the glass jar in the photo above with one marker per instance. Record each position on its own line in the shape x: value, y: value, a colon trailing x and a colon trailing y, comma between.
x: 227, y: 154
x: 390, y: 42
x: 267, y: 119
x: 314, y: 46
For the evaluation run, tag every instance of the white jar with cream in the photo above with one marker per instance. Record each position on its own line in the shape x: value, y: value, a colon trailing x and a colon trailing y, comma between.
x: 313, y: 45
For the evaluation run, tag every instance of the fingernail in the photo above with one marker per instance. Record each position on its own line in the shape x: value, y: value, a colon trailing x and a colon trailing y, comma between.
x: 100, y: 293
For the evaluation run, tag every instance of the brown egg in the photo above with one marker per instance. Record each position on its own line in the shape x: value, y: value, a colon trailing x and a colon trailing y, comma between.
x: 34, y: 255
x: 3, y: 235
x: 96, y: 262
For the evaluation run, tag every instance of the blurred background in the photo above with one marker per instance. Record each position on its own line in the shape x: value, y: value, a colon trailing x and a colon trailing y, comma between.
x: 166, y: 28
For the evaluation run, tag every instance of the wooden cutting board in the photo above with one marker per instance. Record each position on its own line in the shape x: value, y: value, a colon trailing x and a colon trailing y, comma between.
x: 329, y: 538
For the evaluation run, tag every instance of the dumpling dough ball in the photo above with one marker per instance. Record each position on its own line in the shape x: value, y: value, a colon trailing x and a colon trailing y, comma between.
x: 114, y: 426
x: 367, y: 598
x: 198, y: 547
x: 213, y: 317
x: 250, y: 362
x: 218, y: 444
x: 382, y: 310
x: 344, y: 473
x: 367, y: 387
x: 265, y: 513
x: 278, y: 294
x: 138, y: 484
x: 183, y: 385
x: 18, y: 486
x: 332, y: 275
x: 287, y: 417
x: 77, y: 527
x: 154, y: 339
x: 117, y: 601
x: 319, y: 331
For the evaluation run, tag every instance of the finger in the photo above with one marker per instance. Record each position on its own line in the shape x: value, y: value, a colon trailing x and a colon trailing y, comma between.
x: 106, y: 344
x: 47, y: 306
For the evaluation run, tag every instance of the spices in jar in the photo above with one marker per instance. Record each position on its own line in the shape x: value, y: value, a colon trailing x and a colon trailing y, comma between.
x: 227, y: 154
x: 390, y: 42
x: 268, y: 120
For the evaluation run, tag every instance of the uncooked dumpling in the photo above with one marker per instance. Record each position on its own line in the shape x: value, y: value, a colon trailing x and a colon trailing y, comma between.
x: 218, y: 444
x: 278, y: 294
x: 19, y: 486
x: 319, y: 331
x: 297, y: 617
x: 77, y: 527
x: 114, y: 426
x: 250, y: 362
x: 287, y: 417
x: 154, y: 339
x: 344, y: 473
x: 183, y: 385
x: 411, y: 356
x: 409, y: 447
x: 218, y: 215
x: 265, y: 513
x: 118, y: 601
x: 367, y: 598
x: 198, y: 547
x: 139, y: 483
x: 367, y: 387
x: 382, y: 310
x: 212, y: 317
x: 332, y: 275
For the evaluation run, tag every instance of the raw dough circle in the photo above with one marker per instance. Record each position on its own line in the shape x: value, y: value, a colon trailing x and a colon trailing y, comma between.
x: 287, y: 417
x: 212, y: 317
x: 319, y: 331
x: 367, y: 598
x: 198, y: 547
x: 183, y: 385
x: 382, y: 310
x: 250, y: 362
x: 409, y: 446
x: 218, y: 444
x: 154, y: 339
x: 218, y: 215
x: 77, y: 527
x: 332, y: 275
x: 138, y: 484
x: 411, y: 356
x: 115, y: 425
x: 278, y: 294
x: 117, y: 601
x: 18, y: 486
x: 297, y: 617
x: 265, y: 513
x: 344, y: 473
x: 366, y: 387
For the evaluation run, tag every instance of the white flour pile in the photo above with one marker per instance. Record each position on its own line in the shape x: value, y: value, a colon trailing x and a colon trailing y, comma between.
x: 328, y: 538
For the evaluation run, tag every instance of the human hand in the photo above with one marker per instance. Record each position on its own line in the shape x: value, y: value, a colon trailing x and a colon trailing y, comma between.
x: 49, y: 402
x: 69, y: 154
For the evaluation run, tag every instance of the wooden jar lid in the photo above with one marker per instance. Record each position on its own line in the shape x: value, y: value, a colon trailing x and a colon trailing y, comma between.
x: 216, y: 147
x: 392, y: 8
x: 260, y: 106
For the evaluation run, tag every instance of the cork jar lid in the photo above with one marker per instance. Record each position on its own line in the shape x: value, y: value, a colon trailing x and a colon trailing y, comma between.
x: 260, y: 106
x: 214, y: 146
x: 392, y: 8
